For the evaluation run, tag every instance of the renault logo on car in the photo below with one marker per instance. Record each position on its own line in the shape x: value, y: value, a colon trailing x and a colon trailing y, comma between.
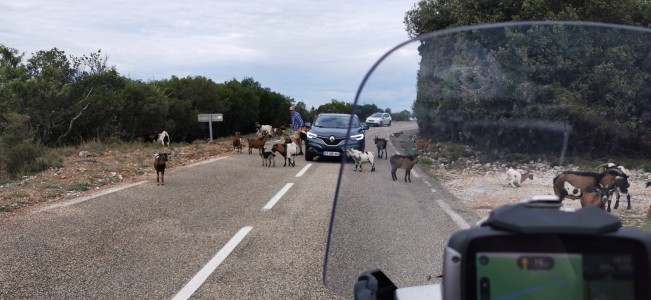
x: 332, y: 138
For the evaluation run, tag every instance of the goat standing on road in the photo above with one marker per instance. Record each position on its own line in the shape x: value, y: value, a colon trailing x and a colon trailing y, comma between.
x: 381, y: 147
x: 406, y: 162
x: 160, y: 162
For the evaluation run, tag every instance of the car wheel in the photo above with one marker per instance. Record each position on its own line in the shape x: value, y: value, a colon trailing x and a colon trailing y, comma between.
x: 389, y: 123
x: 309, y: 156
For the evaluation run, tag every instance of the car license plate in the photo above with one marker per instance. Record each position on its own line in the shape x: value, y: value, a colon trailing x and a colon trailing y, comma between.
x: 330, y: 153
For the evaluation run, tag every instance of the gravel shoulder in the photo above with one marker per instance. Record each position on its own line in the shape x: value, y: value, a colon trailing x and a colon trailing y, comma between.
x: 484, y: 187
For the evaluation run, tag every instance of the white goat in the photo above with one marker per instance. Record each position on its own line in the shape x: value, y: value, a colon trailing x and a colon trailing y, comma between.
x: 163, y: 138
x: 514, y: 177
x: 361, y: 157
x: 264, y: 129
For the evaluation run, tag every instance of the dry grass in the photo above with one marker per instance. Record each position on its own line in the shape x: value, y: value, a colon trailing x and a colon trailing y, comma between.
x: 108, y: 165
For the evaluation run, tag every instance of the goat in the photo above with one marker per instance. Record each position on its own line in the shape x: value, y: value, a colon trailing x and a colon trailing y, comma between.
x: 397, y: 134
x: 406, y: 162
x: 160, y: 162
x: 594, y: 196
x: 514, y: 178
x: 264, y: 129
x: 361, y: 157
x: 288, y: 151
x: 237, y: 142
x: 285, y: 138
x: 161, y: 137
x: 621, y: 185
x: 571, y: 184
x: 381, y: 144
x: 257, y: 143
x: 267, y: 158
x: 421, y: 145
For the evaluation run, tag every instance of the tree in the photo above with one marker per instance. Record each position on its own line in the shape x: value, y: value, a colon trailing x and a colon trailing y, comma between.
x: 432, y: 15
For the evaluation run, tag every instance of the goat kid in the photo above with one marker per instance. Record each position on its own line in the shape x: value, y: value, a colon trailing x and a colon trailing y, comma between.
x: 160, y: 162
x: 237, y: 142
x: 267, y: 158
x: 621, y: 185
x: 406, y: 162
x: 515, y: 178
x: 360, y: 157
x: 595, y: 196
x: 381, y: 144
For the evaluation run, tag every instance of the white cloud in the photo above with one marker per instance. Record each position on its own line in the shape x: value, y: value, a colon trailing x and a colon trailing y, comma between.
x: 312, y: 51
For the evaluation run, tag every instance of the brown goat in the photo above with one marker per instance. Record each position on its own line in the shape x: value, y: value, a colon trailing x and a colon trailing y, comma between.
x: 406, y: 162
x: 594, y: 196
x: 421, y: 145
x: 571, y: 184
x: 257, y: 143
x: 381, y: 146
x: 160, y: 162
x: 288, y: 151
x: 237, y: 142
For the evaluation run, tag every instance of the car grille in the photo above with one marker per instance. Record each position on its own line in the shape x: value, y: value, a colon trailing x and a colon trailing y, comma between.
x: 326, y: 140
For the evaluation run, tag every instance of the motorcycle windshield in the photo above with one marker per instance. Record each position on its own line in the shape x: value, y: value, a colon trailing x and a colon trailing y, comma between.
x: 467, y: 105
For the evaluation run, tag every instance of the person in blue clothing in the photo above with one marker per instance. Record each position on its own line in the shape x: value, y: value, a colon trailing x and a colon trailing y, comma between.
x: 297, y: 125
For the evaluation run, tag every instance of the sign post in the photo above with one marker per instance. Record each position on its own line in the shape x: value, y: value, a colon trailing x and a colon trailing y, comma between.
x: 210, y: 118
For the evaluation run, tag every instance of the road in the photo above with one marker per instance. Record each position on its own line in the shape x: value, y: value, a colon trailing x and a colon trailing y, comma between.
x: 223, y: 229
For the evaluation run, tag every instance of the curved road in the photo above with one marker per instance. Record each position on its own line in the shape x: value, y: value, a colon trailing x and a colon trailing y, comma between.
x: 223, y: 229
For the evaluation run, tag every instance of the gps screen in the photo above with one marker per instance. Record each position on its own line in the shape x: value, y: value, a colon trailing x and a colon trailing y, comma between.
x: 504, y: 275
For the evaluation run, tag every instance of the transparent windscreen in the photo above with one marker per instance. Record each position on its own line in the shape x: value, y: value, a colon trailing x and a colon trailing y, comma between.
x: 548, y: 96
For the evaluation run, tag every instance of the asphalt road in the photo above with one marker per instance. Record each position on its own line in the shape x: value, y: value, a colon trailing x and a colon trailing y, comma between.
x: 223, y: 229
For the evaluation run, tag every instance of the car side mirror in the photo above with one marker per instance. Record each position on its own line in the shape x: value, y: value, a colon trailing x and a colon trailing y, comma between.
x: 365, y: 127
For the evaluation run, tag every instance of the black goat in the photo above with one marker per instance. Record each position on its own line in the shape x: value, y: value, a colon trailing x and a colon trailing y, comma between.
x: 160, y: 162
x: 621, y: 185
x: 381, y: 147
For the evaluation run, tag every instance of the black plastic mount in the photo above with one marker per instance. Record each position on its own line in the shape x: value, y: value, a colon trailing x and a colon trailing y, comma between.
x: 549, y: 217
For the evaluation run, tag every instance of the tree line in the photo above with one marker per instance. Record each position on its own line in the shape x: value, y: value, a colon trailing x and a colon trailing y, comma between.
x: 52, y: 99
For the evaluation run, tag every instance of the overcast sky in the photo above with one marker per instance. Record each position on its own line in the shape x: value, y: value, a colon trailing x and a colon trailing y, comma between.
x: 311, y: 51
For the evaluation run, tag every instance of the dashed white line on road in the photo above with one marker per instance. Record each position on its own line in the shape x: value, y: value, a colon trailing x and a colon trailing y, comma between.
x: 303, y: 170
x: 198, y: 279
x: 208, y: 161
x: 455, y: 217
x: 82, y: 199
x: 277, y: 197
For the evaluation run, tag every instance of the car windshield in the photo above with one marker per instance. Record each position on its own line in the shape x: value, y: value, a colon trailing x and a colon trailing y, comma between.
x: 335, y: 121
x: 501, y: 110
x: 376, y: 115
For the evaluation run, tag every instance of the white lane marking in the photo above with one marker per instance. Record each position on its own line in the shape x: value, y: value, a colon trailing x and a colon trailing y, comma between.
x: 89, y: 197
x: 198, y: 279
x: 455, y: 217
x: 277, y: 197
x: 208, y: 161
x: 303, y: 170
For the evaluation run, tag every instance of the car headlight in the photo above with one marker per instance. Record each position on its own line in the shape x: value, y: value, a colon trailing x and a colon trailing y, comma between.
x: 310, y: 135
x: 357, y: 137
